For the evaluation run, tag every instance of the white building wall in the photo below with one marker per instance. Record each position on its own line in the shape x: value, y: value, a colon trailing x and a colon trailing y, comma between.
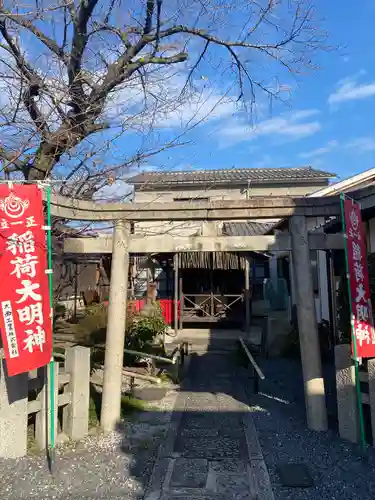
x: 214, y: 194
x: 236, y: 193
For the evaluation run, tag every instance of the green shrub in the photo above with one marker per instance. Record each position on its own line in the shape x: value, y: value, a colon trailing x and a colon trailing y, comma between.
x: 142, y: 330
x: 59, y: 311
x: 91, y: 329
x: 140, y: 335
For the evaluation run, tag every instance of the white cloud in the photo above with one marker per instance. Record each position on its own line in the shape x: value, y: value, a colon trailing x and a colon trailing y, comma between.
x: 349, y: 89
x: 115, y: 192
x: 165, y: 106
x: 289, y: 126
x: 304, y: 113
x: 319, y: 151
x: 362, y: 144
x: 359, y: 144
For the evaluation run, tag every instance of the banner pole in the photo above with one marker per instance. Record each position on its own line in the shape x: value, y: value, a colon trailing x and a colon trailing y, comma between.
x: 354, y: 341
x: 52, y: 381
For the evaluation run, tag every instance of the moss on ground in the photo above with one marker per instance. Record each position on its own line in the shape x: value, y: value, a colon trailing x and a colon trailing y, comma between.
x: 129, y: 406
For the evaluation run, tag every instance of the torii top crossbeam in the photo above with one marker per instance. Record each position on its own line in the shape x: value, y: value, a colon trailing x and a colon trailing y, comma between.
x: 261, y: 207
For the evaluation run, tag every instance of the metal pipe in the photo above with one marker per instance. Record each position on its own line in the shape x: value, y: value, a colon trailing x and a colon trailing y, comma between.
x: 151, y: 356
x: 58, y: 355
x: 141, y: 354
x: 251, y: 359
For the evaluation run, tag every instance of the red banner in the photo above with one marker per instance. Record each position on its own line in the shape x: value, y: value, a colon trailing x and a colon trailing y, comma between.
x: 363, y: 327
x: 25, y: 314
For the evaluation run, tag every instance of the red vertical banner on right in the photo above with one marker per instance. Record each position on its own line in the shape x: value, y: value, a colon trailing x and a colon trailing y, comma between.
x: 360, y: 298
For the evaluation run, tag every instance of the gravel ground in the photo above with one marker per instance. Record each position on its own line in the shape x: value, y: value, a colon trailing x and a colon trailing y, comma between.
x: 112, y: 467
x: 337, y: 468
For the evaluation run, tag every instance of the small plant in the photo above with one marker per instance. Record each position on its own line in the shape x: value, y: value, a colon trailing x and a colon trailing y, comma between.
x: 129, y: 405
x: 142, y: 330
x: 59, y: 311
x: 91, y: 329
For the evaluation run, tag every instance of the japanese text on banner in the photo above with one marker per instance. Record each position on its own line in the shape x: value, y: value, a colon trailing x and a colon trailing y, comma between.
x: 24, y: 291
x: 362, y: 321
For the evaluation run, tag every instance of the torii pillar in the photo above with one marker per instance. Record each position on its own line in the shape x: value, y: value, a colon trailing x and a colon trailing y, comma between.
x: 115, y: 339
x: 316, y: 411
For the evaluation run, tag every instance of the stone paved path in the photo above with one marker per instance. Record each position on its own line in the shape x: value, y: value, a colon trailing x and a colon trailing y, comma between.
x: 211, y: 450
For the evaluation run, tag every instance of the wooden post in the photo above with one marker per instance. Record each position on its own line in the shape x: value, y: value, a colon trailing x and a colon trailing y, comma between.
x: 247, y: 296
x: 75, y: 290
x: 175, y: 289
x: 76, y: 413
x: 274, y: 274
x: 181, y: 304
x: 114, y: 349
x: 316, y: 411
x: 332, y: 295
x: 212, y: 292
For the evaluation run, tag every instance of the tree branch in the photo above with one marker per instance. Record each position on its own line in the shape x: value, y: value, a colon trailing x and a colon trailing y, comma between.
x: 29, y: 100
x: 33, y: 80
x: 80, y: 75
x: 79, y: 42
x: 48, y: 42
x: 150, y: 6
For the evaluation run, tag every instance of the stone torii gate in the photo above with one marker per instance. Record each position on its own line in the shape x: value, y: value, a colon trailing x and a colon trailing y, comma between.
x: 298, y: 240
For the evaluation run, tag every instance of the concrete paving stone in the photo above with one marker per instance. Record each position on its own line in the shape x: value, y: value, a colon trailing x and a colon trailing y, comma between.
x: 228, y: 466
x: 235, y: 432
x: 188, y: 496
x: 196, y: 432
x: 295, y: 475
x: 206, y: 407
x: 211, y: 420
x: 211, y: 448
x: 216, y: 430
x: 229, y: 484
x: 210, y: 455
x: 190, y: 473
x: 244, y: 495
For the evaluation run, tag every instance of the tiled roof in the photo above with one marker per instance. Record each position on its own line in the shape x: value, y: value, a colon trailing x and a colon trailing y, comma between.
x: 248, y: 228
x: 236, y: 176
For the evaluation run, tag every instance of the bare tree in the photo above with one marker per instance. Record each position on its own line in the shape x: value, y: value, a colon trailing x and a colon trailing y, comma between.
x: 80, y: 76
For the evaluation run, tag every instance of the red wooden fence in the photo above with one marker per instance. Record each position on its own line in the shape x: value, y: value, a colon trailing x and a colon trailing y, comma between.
x: 167, y: 307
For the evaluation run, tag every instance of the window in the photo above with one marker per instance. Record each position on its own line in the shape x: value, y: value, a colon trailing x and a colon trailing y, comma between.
x: 195, y: 198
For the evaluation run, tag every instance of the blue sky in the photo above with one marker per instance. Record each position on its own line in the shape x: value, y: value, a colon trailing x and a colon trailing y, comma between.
x: 327, y: 121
